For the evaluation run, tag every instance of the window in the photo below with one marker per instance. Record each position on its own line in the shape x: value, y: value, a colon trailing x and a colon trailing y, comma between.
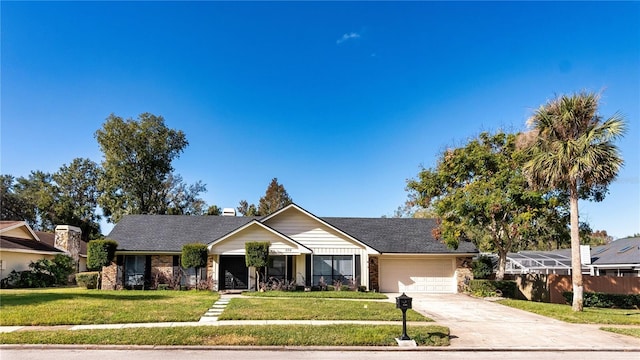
x: 277, y: 267
x: 332, y: 268
x: 134, y: 267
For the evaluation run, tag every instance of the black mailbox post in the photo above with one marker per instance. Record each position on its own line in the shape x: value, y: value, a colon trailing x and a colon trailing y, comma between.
x: 403, y: 302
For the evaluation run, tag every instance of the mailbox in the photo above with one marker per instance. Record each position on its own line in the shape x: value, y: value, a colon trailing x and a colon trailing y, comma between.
x: 403, y: 302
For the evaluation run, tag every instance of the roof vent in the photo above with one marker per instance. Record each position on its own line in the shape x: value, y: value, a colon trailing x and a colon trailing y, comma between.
x: 228, y: 212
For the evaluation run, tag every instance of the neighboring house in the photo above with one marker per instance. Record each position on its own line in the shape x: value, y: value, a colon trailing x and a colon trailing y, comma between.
x: 382, y: 254
x: 20, y: 245
x: 618, y: 258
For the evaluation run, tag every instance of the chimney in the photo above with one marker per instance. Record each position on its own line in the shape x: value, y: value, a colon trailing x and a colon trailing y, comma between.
x: 67, y: 238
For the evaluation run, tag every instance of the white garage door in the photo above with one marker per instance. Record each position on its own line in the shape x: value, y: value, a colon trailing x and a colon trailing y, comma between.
x: 417, y: 275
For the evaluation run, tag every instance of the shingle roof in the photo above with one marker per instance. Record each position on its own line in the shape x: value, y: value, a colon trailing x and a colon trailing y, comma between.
x: 169, y: 232
x: 398, y: 235
x: 621, y: 251
x: 13, y: 243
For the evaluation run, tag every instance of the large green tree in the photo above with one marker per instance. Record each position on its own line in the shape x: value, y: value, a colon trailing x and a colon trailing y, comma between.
x: 39, y: 194
x: 274, y: 199
x: 572, y: 149
x: 66, y: 197
x: 12, y: 205
x: 137, y: 163
x: 479, y: 193
x: 77, y: 195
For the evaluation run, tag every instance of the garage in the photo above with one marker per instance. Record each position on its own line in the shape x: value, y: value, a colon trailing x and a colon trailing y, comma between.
x: 417, y: 275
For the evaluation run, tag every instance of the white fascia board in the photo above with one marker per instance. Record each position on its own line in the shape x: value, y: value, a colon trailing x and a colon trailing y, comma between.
x: 615, y: 266
x: 429, y: 254
x: 21, y: 224
x: 142, y: 252
x: 41, y: 252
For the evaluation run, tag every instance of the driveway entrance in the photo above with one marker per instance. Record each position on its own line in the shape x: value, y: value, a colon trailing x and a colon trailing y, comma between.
x: 478, y: 323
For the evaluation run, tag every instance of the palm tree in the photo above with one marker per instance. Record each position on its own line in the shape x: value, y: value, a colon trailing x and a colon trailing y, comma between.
x: 572, y: 150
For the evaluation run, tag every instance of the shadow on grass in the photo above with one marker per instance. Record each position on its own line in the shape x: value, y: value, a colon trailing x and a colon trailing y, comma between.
x: 26, y: 298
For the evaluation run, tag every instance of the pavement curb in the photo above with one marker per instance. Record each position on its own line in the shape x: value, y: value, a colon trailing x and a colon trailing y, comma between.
x: 310, y: 348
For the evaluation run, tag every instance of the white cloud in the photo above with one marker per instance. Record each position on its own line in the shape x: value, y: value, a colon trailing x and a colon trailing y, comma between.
x: 347, y: 36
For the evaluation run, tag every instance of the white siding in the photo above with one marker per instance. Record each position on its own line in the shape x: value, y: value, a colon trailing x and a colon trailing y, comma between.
x: 311, y: 233
x: 234, y: 245
x: 215, y: 267
x: 18, y: 261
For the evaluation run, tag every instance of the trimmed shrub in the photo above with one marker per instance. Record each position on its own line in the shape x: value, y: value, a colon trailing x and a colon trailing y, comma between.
x: 88, y: 279
x: 603, y: 300
x: 257, y: 255
x: 100, y: 253
x: 194, y: 255
x: 482, y: 267
x: 484, y: 288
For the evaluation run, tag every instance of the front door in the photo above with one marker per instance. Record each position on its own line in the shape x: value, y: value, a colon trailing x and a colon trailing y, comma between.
x: 234, y: 273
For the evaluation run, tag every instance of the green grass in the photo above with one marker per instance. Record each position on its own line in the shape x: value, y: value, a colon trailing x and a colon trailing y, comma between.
x: 298, y: 335
x: 588, y: 316
x: 314, y: 309
x: 75, y: 306
x: 624, y: 331
x: 318, y: 294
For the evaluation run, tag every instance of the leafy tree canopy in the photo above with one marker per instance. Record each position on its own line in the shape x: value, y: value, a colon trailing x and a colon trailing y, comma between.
x: 137, y: 165
x: 274, y: 199
x: 68, y: 196
x: 479, y: 193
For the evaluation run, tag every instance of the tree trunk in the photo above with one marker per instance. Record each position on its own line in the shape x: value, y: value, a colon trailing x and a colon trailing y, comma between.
x: 576, y: 264
x: 502, y: 264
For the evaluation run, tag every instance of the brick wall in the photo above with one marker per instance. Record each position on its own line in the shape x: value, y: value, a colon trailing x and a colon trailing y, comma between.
x: 111, y: 277
x: 161, y: 269
x: 463, y: 272
x: 374, y: 285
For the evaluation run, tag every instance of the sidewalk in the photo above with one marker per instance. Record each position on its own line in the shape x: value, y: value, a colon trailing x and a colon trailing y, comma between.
x: 6, y: 329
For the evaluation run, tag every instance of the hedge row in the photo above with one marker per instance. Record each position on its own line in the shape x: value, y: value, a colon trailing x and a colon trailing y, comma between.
x: 88, y: 280
x: 484, y: 288
x: 602, y: 300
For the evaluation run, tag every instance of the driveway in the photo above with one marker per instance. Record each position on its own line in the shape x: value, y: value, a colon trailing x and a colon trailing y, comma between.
x: 478, y: 323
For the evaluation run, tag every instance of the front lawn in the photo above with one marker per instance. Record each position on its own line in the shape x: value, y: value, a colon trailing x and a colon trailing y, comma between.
x: 624, y: 331
x: 76, y: 306
x: 314, y: 309
x: 588, y: 316
x: 318, y: 294
x: 276, y: 335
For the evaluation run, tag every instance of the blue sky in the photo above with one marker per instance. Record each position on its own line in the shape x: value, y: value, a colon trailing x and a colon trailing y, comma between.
x: 342, y: 102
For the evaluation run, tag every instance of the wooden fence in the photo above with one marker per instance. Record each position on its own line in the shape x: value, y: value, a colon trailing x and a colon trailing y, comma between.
x: 549, y: 288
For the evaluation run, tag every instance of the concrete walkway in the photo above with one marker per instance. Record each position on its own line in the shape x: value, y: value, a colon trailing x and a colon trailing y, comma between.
x: 478, y: 323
